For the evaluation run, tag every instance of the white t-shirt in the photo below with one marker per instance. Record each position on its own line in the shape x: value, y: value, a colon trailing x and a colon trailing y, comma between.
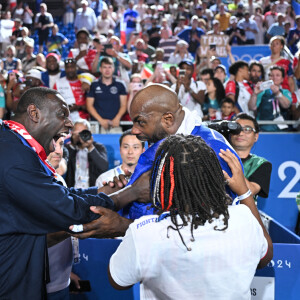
x: 186, y: 99
x: 221, y: 264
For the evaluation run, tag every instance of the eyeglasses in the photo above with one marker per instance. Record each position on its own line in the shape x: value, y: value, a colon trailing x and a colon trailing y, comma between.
x: 248, y: 129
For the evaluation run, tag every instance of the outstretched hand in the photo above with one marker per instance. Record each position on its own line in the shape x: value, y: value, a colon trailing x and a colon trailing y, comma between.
x: 117, y: 184
x: 109, y: 225
x: 237, y: 182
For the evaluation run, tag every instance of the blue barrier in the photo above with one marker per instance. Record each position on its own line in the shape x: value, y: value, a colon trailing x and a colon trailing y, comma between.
x: 280, y: 280
x: 94, y: 259
x: 284, y: 267
x: 246, y: 53
x: 281, y: 149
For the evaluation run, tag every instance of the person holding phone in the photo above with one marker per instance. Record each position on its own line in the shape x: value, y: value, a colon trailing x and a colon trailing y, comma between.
x: 84, y: 54
x: 180, y: 53
x: 190, y: 92
x: 122, y: 61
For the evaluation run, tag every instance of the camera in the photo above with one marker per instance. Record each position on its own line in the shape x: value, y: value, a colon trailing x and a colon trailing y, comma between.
x: 85, y: 135
x: 224, y: 127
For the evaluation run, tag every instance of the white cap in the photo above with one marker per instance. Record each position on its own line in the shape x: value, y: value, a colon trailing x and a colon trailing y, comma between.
x: 34, y: 73
x: 233, y: 19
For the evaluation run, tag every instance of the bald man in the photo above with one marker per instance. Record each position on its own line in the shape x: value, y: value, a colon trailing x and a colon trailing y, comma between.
x: 156, y: 114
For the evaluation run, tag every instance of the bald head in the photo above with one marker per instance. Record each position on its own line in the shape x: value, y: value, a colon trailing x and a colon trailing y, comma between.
x: 155, y: 97
x: 156, y: 113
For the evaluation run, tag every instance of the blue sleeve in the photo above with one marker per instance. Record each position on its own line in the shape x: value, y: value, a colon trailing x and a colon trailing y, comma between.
x: 183, y: 35
x: 290, y: 35
x: 122, y: 89
x: 91, y: 92
x: 40, y: 204
x: 61, y: 36
x: 270, y: 30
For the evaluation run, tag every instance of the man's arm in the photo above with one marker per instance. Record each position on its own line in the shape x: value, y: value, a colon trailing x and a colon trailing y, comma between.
x: 41, y: 203
x: 121, y: 112
x: 111, y: 224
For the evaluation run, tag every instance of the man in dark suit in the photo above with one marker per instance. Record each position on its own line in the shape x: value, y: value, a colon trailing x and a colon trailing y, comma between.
x: 87, y: 159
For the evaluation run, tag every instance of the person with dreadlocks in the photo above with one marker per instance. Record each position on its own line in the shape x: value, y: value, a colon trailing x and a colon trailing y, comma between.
x: 197, y: 244
x: 156, y: 114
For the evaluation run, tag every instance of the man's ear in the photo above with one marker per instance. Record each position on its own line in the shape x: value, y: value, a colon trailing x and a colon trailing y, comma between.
x: 33, y: 113
x: 167, y: 120
x: 256, y: 137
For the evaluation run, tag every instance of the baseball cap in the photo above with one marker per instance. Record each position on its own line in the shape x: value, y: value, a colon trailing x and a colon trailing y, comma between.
x: 34, y: 74
x: 54, y: 55
x: 214, y: 58
x: 18, y: 20
x: 215, y: 22
x: 221, y: 67
x: 182, y: 43
x: 84, y: 30
x: 29, y: 42
x: 187, y: 62
x: 233, y: 19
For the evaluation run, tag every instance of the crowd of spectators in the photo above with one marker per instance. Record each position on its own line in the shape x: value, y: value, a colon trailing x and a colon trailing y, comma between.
x: 152, y: 41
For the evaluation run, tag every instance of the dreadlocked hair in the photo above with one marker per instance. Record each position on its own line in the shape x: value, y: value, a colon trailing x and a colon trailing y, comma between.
x: 187, y: 180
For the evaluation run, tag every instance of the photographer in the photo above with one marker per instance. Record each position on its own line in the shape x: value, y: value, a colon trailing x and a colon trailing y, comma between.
x: 87, y: 159
x: 190, y: 92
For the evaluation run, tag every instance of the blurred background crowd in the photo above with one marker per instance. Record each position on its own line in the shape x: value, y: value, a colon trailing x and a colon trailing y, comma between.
x: 100, y: 53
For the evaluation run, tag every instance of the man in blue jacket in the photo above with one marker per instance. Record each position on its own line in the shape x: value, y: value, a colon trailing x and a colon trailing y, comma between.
x: 156, y: 113
x: 32, y: 202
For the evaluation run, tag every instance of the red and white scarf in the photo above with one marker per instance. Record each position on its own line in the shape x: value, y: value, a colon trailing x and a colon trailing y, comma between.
x: 20, y: 130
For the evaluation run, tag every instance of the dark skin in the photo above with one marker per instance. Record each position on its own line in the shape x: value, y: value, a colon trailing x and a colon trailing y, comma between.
x: 186, y: 82
x: 71, y: 74
x: 43, y: 124
x: 52, y: 65
x: 156, y: 113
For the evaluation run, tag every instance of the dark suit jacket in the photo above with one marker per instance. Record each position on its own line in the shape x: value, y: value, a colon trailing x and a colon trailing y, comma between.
x: 98, y: 163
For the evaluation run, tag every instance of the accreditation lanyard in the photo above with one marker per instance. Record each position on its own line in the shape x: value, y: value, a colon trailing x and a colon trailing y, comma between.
x: 276, y: 109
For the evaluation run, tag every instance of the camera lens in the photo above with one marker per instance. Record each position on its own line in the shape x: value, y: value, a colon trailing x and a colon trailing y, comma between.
x: 85, y: 135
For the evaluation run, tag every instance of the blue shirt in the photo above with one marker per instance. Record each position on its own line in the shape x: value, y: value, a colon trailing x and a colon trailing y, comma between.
x: 250, y: 24
x: 186, y: 34
x: 290, y: 36
x: 276, y: 29
x: 130, y: 13
x: 213, y: 139
x: 107, y: 97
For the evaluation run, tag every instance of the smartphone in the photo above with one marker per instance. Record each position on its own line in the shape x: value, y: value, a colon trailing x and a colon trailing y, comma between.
x: 212, y: 46
x: 181, y: 73
x: 83, y: 47
x: 85, y: 286
x: 266, y: 85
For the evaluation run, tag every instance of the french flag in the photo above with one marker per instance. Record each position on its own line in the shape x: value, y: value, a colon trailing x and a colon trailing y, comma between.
x: 123, y: 25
